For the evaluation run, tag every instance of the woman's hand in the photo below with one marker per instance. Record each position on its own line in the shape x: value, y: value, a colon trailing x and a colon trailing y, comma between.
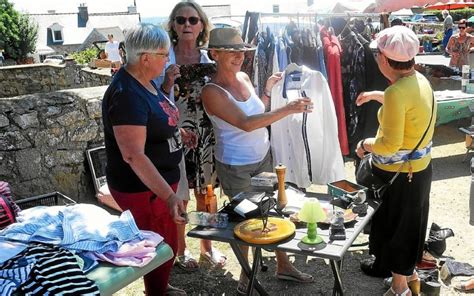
x: 190, y: 138
x: 300, y: 105
x: 177, y: 210
x: 367, y: 96
x: 360, y: 151
x: 272, y: 80
x: 171, y: 74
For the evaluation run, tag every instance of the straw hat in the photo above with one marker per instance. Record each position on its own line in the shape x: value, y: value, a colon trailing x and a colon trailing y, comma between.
x: 227, y: 39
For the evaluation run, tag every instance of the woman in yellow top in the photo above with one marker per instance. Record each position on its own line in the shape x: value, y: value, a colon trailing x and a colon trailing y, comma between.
x: 399, y: 226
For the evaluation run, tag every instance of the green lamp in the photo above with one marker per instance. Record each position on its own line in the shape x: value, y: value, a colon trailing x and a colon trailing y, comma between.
x: 312, y: 213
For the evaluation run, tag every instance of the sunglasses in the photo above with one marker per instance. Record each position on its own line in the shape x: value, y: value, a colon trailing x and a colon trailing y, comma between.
x: 166, y: 55
x: 462, y: 28
x: 181, y: 20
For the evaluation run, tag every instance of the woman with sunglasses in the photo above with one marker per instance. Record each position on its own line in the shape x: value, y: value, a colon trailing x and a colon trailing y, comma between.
x: 188, y: 27
x: 459, y: 46
x: 406, y: 122
x: 143, y: 145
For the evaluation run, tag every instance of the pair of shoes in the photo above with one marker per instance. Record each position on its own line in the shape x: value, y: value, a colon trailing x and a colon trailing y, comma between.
x: 186, y: 262
x: 371, y: 267
x: 391, y: 292
x: 215, y: 258
x: 296, y: 276
x: 414, y: 285
x: 173, y: 291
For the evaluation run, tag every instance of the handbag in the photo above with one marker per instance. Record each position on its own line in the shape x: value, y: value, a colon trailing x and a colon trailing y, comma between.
x: 365, y: 175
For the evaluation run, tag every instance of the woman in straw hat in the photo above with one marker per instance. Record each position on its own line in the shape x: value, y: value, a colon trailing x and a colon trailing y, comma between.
x: 239, y: 120
x: 406, y: 119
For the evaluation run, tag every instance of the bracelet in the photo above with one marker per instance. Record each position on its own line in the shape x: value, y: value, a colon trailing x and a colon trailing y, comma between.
x: 164, y: 91
x: 267, y: 93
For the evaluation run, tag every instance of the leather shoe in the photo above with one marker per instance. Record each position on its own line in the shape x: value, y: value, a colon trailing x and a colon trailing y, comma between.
x: 426, y: 265
x: 371, y: 267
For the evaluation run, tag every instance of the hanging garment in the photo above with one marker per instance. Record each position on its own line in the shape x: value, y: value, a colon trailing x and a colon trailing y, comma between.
x: 306, y: 143
x: 332, y: 52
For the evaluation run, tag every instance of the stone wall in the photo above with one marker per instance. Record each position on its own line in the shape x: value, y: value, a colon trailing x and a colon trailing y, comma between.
x: 43, y: 139
x: 38, y: 78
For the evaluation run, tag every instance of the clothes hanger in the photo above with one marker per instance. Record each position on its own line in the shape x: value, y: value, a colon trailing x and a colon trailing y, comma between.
x: 293, y: 68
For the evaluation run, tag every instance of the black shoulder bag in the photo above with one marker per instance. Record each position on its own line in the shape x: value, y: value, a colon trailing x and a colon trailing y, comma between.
x: 366, y: 177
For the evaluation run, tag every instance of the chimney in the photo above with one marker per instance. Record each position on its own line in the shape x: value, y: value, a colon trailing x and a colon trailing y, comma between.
x: 82, y: 16
x: 52, y: 11
x: 132, y: 9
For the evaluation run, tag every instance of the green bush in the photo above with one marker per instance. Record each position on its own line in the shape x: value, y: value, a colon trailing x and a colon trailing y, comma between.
x: 85, y: 56
x: 457, y: 14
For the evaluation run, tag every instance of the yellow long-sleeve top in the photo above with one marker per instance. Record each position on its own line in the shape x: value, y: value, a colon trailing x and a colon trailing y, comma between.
x: 403, y: 118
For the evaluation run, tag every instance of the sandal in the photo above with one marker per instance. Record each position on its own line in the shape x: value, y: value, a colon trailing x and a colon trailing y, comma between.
x: 173, y: 291
x: 391, y: 292
x: 296, y: 276
x: 186, y: 262
x: 215, y: 258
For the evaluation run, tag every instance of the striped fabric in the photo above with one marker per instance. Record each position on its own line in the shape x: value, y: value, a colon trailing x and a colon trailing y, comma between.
x: 8, y: 208
x: 45, y: 270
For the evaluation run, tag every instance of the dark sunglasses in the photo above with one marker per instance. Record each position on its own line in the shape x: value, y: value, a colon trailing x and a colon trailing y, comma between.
x: 181, y: 20
x: 462, y: 28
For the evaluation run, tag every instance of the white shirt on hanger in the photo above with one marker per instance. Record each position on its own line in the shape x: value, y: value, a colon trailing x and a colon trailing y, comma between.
x: 312, y: 155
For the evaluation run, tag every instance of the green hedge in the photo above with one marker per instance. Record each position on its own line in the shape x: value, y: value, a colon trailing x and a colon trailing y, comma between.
x: 457, y: 14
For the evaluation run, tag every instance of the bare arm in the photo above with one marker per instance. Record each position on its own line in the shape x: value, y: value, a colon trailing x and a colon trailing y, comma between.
x: 131, y: 141
x: 449, y: 45
x: 217, y: 103
x: 367, y: 96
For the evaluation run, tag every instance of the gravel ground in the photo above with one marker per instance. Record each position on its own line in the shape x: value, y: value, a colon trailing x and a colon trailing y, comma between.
x: 449, y: 208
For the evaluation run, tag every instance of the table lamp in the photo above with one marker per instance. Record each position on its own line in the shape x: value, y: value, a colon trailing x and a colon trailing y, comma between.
x: 312, y: 213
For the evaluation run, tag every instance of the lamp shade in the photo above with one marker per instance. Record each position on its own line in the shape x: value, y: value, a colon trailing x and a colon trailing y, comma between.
x: 311, y: 212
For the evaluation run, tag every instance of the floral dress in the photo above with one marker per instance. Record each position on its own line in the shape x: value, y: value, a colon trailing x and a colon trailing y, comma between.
x: 460, y: 51
x: 200, y: 168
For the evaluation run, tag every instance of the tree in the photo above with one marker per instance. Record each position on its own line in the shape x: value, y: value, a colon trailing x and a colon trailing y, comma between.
x: 18, y: 33
x: 28, y: 30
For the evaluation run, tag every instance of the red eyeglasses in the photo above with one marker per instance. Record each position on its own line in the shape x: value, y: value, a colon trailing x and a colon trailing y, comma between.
x: 181, y: 20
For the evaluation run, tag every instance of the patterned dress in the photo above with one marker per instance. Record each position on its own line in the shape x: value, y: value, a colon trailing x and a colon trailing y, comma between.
x: 200, y: 168
x: 460, y: 51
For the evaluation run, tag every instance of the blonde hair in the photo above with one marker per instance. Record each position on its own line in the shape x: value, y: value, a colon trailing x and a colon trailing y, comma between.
x: 203, y: 36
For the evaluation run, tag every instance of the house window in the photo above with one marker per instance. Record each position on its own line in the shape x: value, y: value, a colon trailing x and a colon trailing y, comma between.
x: 276, y: 8
x: 57, y: 36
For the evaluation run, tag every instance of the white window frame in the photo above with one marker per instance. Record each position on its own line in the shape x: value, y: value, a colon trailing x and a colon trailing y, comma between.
x: 57, y: 28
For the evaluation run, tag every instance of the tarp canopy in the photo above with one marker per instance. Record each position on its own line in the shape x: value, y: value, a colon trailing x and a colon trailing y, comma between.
x: 404, y: 11
x: 391, y: 5
x: 449, y: 5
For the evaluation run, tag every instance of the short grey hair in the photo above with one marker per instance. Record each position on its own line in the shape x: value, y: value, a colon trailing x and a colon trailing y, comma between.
x: 445, y: 12
x: 144, y: 38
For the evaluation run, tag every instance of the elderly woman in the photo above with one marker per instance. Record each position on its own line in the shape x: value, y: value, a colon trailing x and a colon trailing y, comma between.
x: 143, y: 145
x: 459, y: 46
x: 239, y: 119
x: 406, y: 121
x: 189, y: 28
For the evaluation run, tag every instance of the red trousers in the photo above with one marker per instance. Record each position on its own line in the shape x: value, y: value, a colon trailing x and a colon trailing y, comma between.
x: 152, y: 215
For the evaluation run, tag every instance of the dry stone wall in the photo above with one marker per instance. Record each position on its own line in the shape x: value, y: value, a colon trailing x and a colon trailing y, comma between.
x: 43, y: 139
x: 38, y: 78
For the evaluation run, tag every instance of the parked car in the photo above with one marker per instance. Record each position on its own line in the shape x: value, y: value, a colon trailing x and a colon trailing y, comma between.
x: 54, y: 59
x: 425, y: 18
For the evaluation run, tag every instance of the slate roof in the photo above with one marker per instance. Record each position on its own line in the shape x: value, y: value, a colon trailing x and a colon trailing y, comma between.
x: 72, y: 33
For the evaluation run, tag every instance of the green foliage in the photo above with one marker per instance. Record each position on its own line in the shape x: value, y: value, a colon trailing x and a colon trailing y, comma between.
x: 9, y: 31
x: 28, y: 29
x: 18, y: 33
x: 457, y: 14
x: 85, y: 56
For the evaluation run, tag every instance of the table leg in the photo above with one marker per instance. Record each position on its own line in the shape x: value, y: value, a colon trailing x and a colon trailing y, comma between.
x: 249, y: 272
x: 336, y: 270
